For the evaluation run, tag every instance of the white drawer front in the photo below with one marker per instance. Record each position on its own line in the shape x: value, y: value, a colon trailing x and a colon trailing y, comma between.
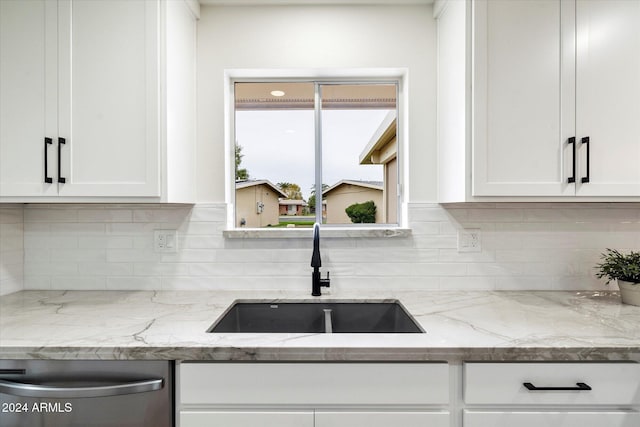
x: 503, y: 383
x: 245, y: 419
x: 381, y: 419
x: 551, y: 419
x: 314, y: 383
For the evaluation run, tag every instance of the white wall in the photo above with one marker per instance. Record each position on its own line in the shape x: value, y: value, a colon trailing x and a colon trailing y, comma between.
x: 310, y: 37
x: 524, y: 246
x: 11, y: 248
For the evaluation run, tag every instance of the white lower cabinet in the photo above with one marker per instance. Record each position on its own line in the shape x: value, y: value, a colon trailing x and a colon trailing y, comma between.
x: 551, y: 394
x: 552, y: 384
x: 472, y: 394
x: 551, y: 419
x: 381, y: 419
x: 313, y: 419
x: 246, y: 419
x: 314, y: 394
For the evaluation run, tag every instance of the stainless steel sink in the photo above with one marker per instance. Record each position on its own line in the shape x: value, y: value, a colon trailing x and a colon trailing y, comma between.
x: 316, y: 317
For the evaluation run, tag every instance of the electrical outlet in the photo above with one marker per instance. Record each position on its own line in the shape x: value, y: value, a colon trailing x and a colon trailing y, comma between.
x: 165, y: 241
x: 469, y: 240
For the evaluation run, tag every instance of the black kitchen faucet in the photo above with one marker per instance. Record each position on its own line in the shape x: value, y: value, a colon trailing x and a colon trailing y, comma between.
x: 316, y: 263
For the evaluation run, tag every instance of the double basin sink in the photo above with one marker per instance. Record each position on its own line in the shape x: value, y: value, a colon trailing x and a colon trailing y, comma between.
x: 316, y: 317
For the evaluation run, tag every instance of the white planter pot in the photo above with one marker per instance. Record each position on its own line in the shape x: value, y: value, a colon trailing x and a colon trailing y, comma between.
x: 629, y: 292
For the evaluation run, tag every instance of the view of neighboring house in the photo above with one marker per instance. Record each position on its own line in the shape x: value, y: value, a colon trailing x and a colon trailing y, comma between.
x: 292, y: 207
x: 347, y: 192
x: 257, y: 203
x: 260, y: 203
x: 382, y: 149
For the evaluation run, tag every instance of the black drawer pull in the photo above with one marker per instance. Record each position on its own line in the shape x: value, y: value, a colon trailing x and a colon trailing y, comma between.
x: 580, y: 387
x: 47, y: 178
x: 13, y: 371
x: 61, y: 141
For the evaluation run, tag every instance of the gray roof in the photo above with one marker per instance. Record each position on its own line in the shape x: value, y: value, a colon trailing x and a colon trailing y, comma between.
x: 252, y: 182
x: 375, y: 185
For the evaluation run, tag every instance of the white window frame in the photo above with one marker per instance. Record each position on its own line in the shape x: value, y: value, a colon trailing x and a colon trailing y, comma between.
x: 321, y: 76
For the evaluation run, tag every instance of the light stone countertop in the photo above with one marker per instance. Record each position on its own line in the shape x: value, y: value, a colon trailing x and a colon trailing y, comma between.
x: 586, y: 325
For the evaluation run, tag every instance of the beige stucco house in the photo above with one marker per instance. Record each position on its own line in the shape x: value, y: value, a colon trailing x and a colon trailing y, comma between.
x: 382, y: 149
x: 347, y: 192
x: 257, y: 203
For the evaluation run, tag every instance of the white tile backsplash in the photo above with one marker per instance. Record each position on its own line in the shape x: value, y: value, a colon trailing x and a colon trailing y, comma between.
x: 11, y: 248
x: 533, y: 246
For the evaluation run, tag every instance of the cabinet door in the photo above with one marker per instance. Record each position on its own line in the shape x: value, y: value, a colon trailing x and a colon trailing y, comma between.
x: 108, y: 97
x: 314, y: 384
x: 608, y: 96
x: 550, y: 419
x: 246, y: 419
x: 522, y: 76
x: 381, y: 419
x: 28, y: 86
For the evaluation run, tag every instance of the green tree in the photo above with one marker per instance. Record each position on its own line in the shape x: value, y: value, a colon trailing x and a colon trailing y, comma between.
x: 292, y: 191
x: 362, y: 212
x: 312, y: 198
x: 241, y: 173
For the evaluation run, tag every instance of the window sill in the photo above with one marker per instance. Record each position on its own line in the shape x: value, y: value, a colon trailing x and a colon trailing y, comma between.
x: 331, y: 233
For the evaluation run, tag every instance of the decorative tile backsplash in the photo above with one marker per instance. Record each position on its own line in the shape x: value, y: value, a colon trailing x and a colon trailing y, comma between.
x: 524, y: 246
x: 11, y: 248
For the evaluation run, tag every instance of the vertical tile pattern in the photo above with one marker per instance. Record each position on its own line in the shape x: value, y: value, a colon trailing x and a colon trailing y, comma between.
x: 537, y: 246
x: 11, y: 248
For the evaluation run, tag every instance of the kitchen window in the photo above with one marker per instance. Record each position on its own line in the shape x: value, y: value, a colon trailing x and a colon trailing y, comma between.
x: 308, y: 151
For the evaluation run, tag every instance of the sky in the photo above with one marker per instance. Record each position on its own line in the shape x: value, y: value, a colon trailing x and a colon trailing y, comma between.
x: 278, y: 145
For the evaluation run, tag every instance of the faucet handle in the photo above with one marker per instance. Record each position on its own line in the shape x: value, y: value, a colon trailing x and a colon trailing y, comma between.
x: 325, y: 282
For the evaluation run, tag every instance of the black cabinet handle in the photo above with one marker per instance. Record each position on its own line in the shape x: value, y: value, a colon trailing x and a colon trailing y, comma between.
x: 586, y: 141
x: 61, y: 142
x: 13, y: 371
x: 47, y: 178
x: 572, y: 178
x: 579, y: 387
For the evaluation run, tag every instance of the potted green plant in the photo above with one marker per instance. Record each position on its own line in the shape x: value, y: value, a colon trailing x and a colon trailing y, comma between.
x: 625, y: 269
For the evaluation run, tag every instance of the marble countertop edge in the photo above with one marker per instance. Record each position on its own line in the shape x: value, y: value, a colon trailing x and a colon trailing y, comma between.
x: 336, y: 354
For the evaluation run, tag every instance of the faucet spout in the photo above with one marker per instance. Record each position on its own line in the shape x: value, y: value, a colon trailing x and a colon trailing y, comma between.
x: 316, y: 262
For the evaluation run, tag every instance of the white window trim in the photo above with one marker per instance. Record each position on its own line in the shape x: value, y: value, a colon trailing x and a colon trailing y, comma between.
x: 326, y: 76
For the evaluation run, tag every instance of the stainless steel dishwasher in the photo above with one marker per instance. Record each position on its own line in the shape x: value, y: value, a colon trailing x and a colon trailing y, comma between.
x: 87, y: 393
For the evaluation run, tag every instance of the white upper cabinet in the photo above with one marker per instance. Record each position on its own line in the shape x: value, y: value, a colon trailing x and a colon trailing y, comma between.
x: 89, y: 76
x: 28, y: 88
x: 608, y: 97
x: 517, y: 135
x: 108, y: 97
x: 551, y: 100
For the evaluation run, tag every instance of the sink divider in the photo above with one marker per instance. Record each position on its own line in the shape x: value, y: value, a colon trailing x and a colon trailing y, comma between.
x: 328, y: 323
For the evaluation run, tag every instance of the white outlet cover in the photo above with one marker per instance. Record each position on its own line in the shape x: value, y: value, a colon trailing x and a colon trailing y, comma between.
x: 165, y: 241
x: 469, y: 240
